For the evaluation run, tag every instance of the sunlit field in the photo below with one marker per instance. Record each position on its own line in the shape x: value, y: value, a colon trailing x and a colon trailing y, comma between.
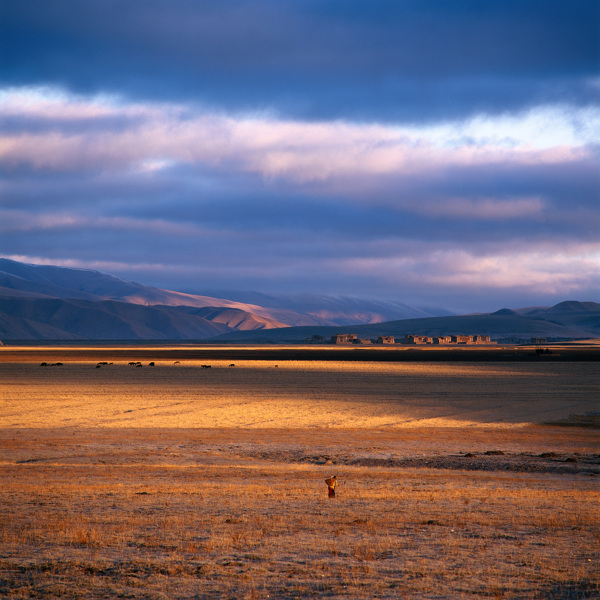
x: 253, y: 393
x: 456, y: 480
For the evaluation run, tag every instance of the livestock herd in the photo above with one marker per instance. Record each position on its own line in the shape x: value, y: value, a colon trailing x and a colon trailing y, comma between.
x: 131, y: 364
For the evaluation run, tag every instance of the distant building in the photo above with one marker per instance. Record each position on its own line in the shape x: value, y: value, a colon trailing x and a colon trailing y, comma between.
x: 417, y: 340
x: 422, y: 340
x: 363, y: 341
x: 461, y: 339
x: 343, y: 338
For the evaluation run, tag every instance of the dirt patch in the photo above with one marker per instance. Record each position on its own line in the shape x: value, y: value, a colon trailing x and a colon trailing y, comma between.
x: 590, y: 419
x: 516, y: 463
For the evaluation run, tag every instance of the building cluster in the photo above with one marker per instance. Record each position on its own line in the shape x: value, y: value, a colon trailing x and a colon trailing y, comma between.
x: 416, y: 340
x: 412, y: 340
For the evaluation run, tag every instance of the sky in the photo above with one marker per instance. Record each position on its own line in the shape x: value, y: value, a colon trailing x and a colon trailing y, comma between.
x: 434, y: 153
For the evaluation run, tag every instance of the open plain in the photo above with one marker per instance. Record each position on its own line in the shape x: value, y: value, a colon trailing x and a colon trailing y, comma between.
x: 460, y: 475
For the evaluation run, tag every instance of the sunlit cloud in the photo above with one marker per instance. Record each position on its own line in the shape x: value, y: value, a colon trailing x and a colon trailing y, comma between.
x: 540, y: 128
x: 527, y: 268
x: 55, y: 103
x: 99, y: 265
x: 440, y: 241
x: 15, y: 221
x: 155, y: 137
x: 421, y: 152
x: 22, y: 221
x: 484, y: 208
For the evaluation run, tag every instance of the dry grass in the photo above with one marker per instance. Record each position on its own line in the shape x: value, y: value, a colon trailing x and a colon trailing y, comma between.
x: 269, y: 530
x: 97, y: 508
x: 267, y: 394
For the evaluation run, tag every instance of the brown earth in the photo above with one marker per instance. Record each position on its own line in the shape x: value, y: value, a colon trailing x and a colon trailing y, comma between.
x: 176, y: 481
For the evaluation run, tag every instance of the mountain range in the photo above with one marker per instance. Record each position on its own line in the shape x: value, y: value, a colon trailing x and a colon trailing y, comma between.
x: 566, y: 321
x: 41, y: 302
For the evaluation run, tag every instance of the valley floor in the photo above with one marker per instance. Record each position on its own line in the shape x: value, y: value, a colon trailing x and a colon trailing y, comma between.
x: 176, y: 481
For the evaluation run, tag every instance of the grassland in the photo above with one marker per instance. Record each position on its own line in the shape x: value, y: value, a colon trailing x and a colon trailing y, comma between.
x: 177, y: 481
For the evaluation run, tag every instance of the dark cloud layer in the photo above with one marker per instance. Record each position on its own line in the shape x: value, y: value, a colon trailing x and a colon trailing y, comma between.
x: 327, y: 59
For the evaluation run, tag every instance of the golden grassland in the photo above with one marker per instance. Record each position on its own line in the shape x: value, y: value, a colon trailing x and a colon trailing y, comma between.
x: 176, y: 481
x: 299, y: 393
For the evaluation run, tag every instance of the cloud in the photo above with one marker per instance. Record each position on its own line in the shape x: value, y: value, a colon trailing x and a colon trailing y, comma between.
x: 97, y: 265
x: 525, y: 270
x: 14, y: 221
x: 182, y: 168
x: 454, y: 276
x: 486, y: 208
x: 182, y: 164
x: 391, y: 60
x: 418, y: 150
x: 163, y: 135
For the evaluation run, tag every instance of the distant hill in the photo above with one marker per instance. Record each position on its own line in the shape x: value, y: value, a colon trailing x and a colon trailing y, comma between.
x: 567, y: 320
x: 336, y: 310
x: 56, y: 303
x: 573, y: 314
x: 58, y: 319
x: 50, y: 302
x: 42, y: 281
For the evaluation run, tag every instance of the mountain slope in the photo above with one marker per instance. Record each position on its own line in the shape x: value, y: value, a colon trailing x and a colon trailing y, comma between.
x: 58, y: 319
x: 232, y: 317
x: 577, y: 322
x: 46, y: 302
x: 41, y: 281
x: 84, y: 284
x: 574, y: 314
x: 337, y: 310
x: 18, y: 280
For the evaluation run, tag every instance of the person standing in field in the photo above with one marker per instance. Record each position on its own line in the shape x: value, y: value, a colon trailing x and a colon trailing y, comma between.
x: 331, y: 484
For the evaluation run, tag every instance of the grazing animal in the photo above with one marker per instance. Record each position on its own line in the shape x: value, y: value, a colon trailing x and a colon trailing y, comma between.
x: 132, y: 364
x: 151, y: 364
x: 98, y: 366
x: 176, y: 362
x: 44, y: 365
x: 138, y: 365
x: 206, y: 366
x: 232, y: 365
